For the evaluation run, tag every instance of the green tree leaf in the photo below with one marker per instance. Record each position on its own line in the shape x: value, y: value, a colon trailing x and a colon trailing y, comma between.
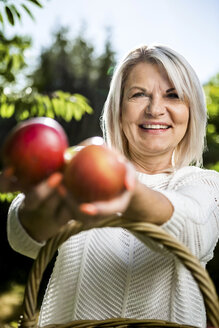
x: 17, y: 13
x: 28, y: 11
x: 212, y: 95
x: 8, y: 197
x: 1, y: 19
x: 10, y: 15
x: 36, y: 2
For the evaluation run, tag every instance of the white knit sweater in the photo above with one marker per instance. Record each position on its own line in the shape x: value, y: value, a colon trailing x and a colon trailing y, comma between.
x: 108, y: 272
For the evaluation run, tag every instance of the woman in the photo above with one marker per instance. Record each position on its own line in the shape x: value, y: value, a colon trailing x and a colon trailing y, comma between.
x: 155, y: 116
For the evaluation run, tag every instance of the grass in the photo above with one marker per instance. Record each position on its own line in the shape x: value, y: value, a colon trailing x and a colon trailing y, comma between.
x: 11, y: 303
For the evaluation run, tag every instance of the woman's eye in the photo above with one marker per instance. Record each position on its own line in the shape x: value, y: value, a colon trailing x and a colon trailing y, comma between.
x: 138, y: 94
x: 173, y: 95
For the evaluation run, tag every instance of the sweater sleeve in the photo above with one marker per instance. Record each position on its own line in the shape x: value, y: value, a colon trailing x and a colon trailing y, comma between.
x: 18, y: 238
x: 195, y: 221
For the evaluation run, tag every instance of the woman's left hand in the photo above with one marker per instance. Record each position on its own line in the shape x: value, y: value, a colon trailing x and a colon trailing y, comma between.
x: 91, y: 213
x: 94, y: 212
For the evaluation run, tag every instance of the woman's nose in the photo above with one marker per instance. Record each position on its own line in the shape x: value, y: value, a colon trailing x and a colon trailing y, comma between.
x: 155, y: 107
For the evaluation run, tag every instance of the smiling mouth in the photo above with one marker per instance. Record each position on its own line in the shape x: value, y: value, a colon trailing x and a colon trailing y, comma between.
x: 154, y: 126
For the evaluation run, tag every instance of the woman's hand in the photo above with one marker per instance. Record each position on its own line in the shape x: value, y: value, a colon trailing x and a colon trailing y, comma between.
x: 46, y: 208
x: 91, y: 213
x: 114, y: 205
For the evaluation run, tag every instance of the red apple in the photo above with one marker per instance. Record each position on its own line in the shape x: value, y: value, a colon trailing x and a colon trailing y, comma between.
x: 94, y: 173
x: 34, y: 149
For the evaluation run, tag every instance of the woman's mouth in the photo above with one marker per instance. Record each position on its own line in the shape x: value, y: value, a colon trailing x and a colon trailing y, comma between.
x: 154, y: 128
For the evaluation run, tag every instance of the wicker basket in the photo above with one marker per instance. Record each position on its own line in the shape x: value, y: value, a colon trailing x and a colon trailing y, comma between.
x: 29, y: 316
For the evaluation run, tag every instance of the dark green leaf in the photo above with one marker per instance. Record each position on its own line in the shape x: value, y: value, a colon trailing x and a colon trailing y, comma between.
x: 10, y: 64
x: 9, y: 15
x: 36, y: 2
x: 27, y: 11
x: 9, y: 76
x: 1, y: 18
x: 16, y: 12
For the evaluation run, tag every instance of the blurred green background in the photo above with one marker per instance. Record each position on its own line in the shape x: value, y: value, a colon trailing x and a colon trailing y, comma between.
x: 68, y: 81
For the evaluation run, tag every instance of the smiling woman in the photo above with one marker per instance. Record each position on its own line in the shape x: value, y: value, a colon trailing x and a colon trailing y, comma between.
x: 183, y: 88
x: 155, y: 118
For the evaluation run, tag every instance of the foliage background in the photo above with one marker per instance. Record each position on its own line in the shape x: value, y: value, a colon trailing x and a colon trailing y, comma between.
x: 70, y: 84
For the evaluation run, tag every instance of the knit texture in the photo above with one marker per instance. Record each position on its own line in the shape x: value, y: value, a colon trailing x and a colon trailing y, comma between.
x: 109, y: 272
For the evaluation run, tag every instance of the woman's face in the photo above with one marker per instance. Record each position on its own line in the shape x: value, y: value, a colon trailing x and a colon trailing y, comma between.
x: 153, y: 118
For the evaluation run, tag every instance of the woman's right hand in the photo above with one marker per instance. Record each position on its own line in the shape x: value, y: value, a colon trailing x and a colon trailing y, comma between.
x: 45, y: 208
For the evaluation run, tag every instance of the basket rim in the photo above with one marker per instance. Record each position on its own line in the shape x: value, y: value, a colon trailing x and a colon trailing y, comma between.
x: 150, y: 230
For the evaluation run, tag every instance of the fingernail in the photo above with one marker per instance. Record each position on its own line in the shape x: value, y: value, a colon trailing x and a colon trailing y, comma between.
x: 88, y: 209
x: 54, y: 180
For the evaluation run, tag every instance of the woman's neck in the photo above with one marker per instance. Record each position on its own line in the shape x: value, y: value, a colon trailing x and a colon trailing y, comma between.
x: 152, y: 164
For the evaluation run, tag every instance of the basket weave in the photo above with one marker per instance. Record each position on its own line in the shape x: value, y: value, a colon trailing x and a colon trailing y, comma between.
x: 29, y: 316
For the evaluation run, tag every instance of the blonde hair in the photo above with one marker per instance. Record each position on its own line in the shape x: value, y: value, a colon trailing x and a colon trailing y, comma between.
x: 184, y: 79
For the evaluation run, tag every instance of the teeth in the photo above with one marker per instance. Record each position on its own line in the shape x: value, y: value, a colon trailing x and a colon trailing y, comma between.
x: 154, y: 126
